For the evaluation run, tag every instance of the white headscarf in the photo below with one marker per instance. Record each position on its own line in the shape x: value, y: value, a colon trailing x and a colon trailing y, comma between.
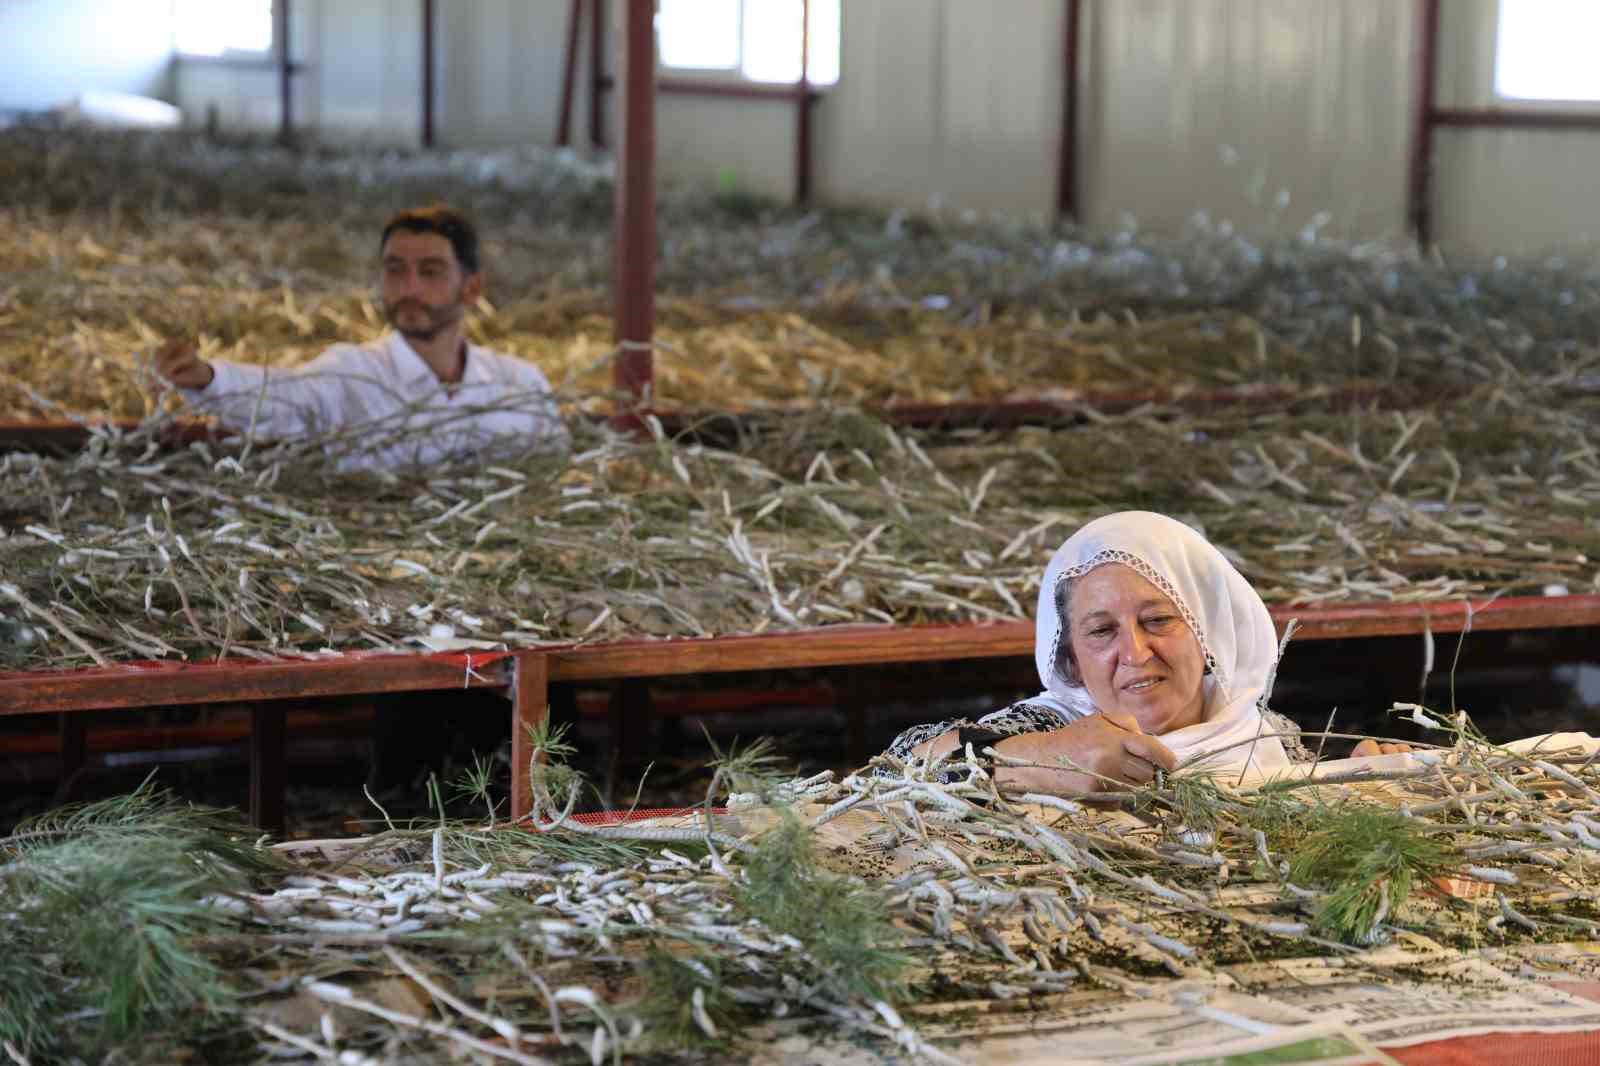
x: 1235, y: 632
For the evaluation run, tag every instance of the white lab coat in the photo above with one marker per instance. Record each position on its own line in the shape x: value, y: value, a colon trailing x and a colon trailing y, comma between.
x: 380, y: 405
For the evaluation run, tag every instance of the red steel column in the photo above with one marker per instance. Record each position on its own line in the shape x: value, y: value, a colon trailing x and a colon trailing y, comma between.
x: 569, y: 73
x: 72, y: 729
x: 427, y: 73
x: 1067, y: 162
x: 597, y: 75
x: 636, y: 199
x: 802, y: 132
x: 1419, y: 207
x: 285, y: 72
x: 530, y: 701
x: 268, y: 774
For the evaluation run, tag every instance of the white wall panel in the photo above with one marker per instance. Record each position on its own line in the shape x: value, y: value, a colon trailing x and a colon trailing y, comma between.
x: 245, y: 95
x: 1516, y: 192
x: 1506, y: 192
x: 1263, y: 112
x: 51, y: 50
x: 360, y: 83
x: 748, y: 144
x: 364, y: 76
x: 945, y: 104
x: 500, y: 72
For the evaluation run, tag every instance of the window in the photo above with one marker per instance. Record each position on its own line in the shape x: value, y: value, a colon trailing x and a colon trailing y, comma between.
x: 222, y: 27
x: 759, y: 39
x: 1544, y: 50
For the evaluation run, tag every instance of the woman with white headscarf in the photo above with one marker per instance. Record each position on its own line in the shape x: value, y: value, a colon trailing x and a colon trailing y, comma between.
x: 1153, y: 651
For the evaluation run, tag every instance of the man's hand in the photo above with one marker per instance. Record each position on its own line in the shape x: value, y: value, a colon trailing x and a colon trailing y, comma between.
x: 180, y: 363
x: 1109, y: 750
x: 1369, y: 746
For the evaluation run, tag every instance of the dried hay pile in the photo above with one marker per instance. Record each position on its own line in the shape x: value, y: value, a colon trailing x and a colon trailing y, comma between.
x: 892, y: 912
x: 134, y: 550
x: 127, y: 551
x: 111, y: 243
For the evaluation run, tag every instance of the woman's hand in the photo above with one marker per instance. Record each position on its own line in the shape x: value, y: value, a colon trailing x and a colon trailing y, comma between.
x: 1108, y: 749
x: 1369, y: 746
x: 179, y: 362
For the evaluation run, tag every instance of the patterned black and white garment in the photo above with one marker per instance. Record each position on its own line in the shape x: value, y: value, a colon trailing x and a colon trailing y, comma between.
x: 1027, y: 717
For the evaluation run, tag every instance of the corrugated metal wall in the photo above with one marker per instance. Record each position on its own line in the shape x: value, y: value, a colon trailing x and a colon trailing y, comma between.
x: 1268, y: 113
x: 945, y: 105
x: 359, y: 84
x: 1514, y: 192
x: 1264, y: 112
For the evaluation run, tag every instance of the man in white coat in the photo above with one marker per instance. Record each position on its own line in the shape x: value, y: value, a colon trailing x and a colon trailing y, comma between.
x: 420, y: 395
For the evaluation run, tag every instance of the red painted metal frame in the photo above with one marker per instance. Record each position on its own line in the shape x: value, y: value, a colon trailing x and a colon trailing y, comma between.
x: 636, y: 202
x: 1419, y: 206
x: 597, y: 74
x: 270, y: 687
x: 151, y: 684
x: 526, y: 674
x: 1505, y: 118
x: 285, y: 77
x: 1067, y: 161
x: 569, y: 73
x: 1429, y: 117
x: 1068, y: 409
x: 428, y: 21
x: 733, y: 90
x: 853, y: 645
x: 802, y: 112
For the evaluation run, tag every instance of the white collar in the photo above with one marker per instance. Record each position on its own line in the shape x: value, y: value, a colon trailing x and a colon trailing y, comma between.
x: 411, y: 367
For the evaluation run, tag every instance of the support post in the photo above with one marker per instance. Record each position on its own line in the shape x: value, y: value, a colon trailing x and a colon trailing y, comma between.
x: 1067, y: 160
x: 285, y: 77
x: 427, y: 72
x: 72, y: 734
x: 802, y: 145
x: 636, y: 202
x: 1419, y: 213
x: 530, y: 684
x: 630, y: 716
x: 597, y: 74
x: 569, y: 73
x: 267, y: 773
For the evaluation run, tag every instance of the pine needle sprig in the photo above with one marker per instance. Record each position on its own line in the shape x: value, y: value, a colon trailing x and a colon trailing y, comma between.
x: 218, y: 842
x: 1369, y: 858
x: 110, y: 903
x: 851, y: 941
x: 668, y: 1007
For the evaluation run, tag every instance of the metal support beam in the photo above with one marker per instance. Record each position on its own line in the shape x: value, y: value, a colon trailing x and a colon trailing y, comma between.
x: 569, y: 73
x: 1504, y: 118
x: 72, y: 743
x: 597, y: 74
x: 802, y: 133
x: 268, y: 774
x: 1419, y: 209
x: 1067, y: 160
x: 285, y: 77
x: 529, y: 694
x: 427, y: 72
x: 636, y: 201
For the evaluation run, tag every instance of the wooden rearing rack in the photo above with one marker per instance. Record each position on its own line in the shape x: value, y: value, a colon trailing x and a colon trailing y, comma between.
x: 524, y: 675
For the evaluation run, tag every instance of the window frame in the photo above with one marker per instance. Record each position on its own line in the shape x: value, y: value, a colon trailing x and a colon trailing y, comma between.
x: 234, y: 57
x: 1501, y: 101
x: 735, y: 76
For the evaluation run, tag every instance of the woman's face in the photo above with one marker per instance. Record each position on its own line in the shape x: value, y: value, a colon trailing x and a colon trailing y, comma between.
x: 1134, y: 651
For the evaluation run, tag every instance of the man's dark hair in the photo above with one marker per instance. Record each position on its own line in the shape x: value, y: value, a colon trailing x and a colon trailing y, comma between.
x: 444, y: 220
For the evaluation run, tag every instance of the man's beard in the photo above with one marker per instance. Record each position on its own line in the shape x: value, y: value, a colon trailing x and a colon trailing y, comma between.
x: 439, y: 318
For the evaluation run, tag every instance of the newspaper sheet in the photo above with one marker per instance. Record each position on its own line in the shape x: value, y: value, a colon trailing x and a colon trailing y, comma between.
x: 1396, y: 998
